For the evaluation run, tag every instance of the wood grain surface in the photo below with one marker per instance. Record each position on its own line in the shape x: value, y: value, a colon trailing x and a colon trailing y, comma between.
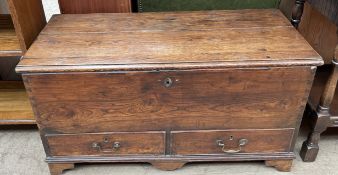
x: 151, y: 143
x: 329, y: 8
x: 29, y: 19
x: 14, y: 103
x: 167, y: 40
x: 94, y: 6
x: 234, y: 98
x: 9, y: 43
x: 246, y: 73
x: 204, y: 142
x: 320, y: 32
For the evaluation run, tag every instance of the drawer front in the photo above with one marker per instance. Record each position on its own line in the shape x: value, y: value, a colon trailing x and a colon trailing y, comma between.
x: 231, y: 141
x: 107, y: 144
x: 183, y: 100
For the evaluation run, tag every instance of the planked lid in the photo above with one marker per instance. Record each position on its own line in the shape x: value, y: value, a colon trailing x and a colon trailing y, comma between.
x: 168, y: 41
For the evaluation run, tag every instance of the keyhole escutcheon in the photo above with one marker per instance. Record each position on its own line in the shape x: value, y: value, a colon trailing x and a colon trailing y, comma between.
x: 168, y: 82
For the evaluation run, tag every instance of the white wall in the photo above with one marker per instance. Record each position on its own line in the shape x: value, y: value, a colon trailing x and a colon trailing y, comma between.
x: 51, y: 7
x: 3, y: 7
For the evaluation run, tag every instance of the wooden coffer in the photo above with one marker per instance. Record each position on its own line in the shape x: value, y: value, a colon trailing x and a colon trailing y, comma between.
x: 169, y: 88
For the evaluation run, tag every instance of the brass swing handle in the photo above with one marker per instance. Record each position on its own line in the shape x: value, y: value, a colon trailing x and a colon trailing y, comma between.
x: 241, y: 144
x: 115, y: 147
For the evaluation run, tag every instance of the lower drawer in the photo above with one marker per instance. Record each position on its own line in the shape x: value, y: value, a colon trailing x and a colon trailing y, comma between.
x: 107, y: 144
x: 231, y: 141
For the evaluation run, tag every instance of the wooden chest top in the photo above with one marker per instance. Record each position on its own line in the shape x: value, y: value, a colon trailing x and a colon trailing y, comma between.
x: 168, y: 41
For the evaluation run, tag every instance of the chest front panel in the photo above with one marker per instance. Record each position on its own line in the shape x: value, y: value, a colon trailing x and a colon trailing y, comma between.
x: 156, y: 101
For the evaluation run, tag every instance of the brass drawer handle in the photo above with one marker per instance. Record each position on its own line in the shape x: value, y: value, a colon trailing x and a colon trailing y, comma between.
x: 241, y: 143
x: 115, y: 147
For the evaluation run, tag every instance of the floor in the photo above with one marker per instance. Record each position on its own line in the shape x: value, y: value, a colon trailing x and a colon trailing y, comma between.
x: 21, y: 153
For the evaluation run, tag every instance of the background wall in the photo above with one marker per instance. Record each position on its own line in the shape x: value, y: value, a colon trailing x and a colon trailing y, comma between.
x: 3, y: 7
x: 51, y: 7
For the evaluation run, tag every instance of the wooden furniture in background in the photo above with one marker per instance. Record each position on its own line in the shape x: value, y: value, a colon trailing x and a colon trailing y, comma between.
x: 94, y: 6
x: 17, y: 32
x: 320, y: 31
x: 14, y: 104
x: 9, y: 42
x: 28, y: 19
x: 197, y: 5
x: 285, y: 6
x: 188, y: 89
x: 297, y: 12
x: 319, y: 27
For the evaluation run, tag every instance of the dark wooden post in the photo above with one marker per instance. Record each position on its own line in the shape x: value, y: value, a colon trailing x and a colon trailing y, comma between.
x: 310, y: 147
x: 297, y: 12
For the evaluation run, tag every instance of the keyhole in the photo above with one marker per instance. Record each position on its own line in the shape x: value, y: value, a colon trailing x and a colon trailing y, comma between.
x: 231, y: 138
x: 105, y: 140
x: 168, y: 82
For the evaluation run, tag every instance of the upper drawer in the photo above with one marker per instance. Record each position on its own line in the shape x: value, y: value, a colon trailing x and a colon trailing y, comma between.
x: 231, y: 141
x: 140, y: 101
x: 107, y: 144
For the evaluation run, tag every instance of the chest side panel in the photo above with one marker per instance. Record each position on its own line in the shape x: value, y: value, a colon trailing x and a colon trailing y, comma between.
x: 142, y: 101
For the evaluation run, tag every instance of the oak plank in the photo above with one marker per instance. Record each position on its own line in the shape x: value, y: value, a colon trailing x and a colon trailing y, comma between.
x: 14, y: 103
x: 9, y: 43
x: 190, y: 38
x: 136, y: 101
x: 28, y: 18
